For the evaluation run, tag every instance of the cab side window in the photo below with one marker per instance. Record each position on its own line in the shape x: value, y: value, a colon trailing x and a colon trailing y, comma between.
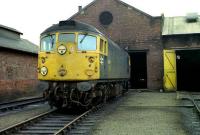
x: 105, y: 47
x: 101, y: 45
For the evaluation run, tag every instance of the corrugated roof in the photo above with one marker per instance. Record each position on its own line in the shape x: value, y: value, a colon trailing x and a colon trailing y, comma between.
x: 10, y: 29
x: 180, y: 25
x: 21, y: 45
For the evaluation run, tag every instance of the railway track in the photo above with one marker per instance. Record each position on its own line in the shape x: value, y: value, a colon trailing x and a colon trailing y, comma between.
x: 191, y: 112
x: 19, y: 103
x: 195, y: 116
x: 52, y: 122
x: 59, y: 122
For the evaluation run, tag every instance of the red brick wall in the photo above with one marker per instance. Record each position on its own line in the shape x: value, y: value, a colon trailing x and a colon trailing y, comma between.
x: 18, y: 72
x: 133, y: 29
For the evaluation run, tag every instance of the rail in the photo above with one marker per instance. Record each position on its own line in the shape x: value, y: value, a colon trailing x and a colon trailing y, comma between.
x: 73, y: 122
x: 20, y: 103
x: 18, y: 126
x: 195, y: 104
x: 55, y: 122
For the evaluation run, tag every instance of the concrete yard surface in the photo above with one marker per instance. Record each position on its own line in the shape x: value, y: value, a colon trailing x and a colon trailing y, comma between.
x: 144, y: 113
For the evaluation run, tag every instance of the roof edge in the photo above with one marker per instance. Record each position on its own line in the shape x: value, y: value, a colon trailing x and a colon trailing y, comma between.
x: 180, y: 34
x: 14, y: 49
x: 126, y: 4
x: 119, y: 1
x: 10, y: 29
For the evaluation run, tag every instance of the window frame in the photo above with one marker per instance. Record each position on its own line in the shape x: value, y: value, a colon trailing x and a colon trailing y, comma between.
x: 105, y: 45
x: 75, y: 35
x: 46, y: 35
x: 88, y: 34
x: 101, y: 45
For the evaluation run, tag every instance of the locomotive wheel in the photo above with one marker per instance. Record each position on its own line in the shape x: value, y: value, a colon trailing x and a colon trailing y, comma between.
x: 58, y: 103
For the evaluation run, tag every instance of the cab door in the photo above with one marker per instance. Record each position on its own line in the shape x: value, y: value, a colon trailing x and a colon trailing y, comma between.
x: 170, y: 78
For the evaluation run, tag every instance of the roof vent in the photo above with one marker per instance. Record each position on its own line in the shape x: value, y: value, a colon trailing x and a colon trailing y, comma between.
x: 192, y: 17
x: 67, y: 22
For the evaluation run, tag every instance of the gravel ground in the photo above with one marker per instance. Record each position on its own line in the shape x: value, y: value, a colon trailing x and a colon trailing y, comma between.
x: 146, y: 113
x: 26, y: 113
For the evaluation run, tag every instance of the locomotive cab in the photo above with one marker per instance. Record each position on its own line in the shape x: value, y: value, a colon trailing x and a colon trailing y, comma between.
x: 70, y: 56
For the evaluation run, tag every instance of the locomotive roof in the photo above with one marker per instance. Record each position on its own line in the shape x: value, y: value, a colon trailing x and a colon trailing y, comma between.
x: 71, y: 25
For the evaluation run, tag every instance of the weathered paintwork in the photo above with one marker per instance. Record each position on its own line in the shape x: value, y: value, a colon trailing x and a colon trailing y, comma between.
x: 170, y: 81
x: 115, y: 64
x: 73, y: 61
x: 110, y: 63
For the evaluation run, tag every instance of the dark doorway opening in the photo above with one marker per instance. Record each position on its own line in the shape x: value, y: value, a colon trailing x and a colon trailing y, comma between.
x: 138, y: 78
x: 188, y: 70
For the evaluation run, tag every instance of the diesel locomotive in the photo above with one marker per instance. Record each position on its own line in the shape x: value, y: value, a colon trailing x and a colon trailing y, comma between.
x: 81, y: 65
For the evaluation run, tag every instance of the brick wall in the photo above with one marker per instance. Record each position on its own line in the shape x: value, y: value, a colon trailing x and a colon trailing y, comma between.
x: 133, y: 29
x: 18, y: 73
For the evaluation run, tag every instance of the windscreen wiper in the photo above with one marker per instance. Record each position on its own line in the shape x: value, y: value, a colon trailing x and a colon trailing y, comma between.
x: 52, y: 40
x: 83, y: 37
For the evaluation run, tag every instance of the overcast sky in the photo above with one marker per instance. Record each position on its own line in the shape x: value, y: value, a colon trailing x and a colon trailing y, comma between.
x: 31, y: 17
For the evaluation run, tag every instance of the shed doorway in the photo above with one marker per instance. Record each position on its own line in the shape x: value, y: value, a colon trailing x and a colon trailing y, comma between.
x: 138, y: 78
x: 188, y: 70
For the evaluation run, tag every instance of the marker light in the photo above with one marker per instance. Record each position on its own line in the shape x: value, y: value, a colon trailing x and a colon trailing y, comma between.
x: 44, y: 71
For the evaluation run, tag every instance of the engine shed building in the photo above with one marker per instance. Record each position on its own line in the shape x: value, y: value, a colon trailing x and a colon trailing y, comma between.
x: 181, y: 42
x: 160, y: 47
x: 134, y: 30
x: 18, y: 62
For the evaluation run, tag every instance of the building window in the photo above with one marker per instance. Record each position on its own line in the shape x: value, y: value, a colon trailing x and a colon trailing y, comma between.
x: 9, y: 71
x: 106, y: 18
